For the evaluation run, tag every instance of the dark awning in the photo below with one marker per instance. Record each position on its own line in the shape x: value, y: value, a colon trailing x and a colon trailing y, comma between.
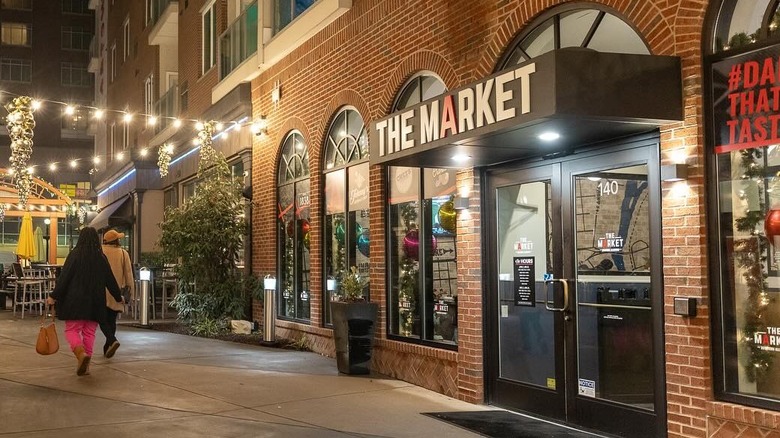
x: 584, y: 96
x: 118, y: 214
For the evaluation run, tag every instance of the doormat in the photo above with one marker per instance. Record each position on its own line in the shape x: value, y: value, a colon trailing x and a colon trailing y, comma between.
x: 503, y: 424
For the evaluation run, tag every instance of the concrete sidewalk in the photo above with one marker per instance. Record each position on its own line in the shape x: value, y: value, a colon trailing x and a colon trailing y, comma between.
x: 180, y: 386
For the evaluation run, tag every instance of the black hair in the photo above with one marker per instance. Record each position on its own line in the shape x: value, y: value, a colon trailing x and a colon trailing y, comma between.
x: 88, y: 241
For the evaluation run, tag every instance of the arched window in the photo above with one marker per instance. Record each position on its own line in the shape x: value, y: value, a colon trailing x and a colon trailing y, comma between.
x: 741, y: 66
x: 346, y: 231
x: 423, y: 298
x: 741, y: 24
x: 576, y: 26
x: 293, y: 215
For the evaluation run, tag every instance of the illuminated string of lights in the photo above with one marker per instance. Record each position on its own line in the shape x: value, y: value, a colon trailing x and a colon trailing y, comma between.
x: 222, y: 130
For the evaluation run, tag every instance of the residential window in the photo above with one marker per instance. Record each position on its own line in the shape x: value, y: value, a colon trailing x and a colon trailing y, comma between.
x: 285, y: 11
x: 125, y: 136
x: 169, y: 199
x: 149, y: 95
x: 346, y: 232
x: 294, y: 229
x: 75, y: 6
x: 112, y: 141
x: 16, y: 34
x: 78, y: 121
x: 75, y: 75
x: 75, y: 38
x: 423, y: 292
x: 126, y: 39
x: 113, y: 62
x: 24, y: 5
x: 209, y: 43
x: 15, y: 70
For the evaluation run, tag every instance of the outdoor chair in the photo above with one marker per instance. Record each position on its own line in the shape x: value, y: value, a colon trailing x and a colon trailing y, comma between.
x: 28, y: 290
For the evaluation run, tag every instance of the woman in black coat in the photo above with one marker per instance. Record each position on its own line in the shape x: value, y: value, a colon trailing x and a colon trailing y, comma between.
x: 80, y: 295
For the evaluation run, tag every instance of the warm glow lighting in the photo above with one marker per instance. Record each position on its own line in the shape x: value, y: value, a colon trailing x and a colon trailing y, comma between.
x: 177, y: 123
x: 53, y: 167
x: 151, y: 121
x: 69, y: 110
x: 99, y: 114
x: 195, y: 141
x: 549, y: 136
x: 31, y: 170
x: 199, y: 126
x: 11, y: 171
x: 96, y: 160
x: 36, y: 104
x: 73, y: 164
x: 120, y: 156
x: 143, y: 152
x: 219, y: 126
x: 127, y: 117
x: 460, y: 158
x: 169, y: 148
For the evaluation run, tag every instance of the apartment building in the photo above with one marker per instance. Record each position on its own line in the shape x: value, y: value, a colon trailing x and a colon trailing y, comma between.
x: 44, y: 54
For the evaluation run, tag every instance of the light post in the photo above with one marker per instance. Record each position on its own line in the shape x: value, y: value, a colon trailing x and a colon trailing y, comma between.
x: 46, y: 237
x: 269, y: 309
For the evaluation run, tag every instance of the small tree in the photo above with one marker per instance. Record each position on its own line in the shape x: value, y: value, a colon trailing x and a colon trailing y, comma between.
x: 205, y: 234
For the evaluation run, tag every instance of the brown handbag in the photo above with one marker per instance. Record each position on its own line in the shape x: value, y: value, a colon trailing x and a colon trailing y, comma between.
x: 47, y: 342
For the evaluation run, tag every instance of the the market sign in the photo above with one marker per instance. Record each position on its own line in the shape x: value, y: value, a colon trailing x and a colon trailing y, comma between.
x: 746, y: 98
x: 587, y: 95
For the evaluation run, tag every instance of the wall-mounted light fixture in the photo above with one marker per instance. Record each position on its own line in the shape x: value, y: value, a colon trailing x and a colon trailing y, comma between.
x: 674, y: 172
x: 460, y: 203
x: 260, y: 126
x: 331, y: 284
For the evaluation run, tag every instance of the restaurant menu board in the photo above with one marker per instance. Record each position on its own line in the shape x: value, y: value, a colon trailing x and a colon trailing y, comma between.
x: 525, y: 290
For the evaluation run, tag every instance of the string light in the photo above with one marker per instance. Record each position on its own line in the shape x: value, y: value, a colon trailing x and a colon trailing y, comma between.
x: 150, y: 119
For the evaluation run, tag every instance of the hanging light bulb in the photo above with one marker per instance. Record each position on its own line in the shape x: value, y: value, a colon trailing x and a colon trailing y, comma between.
x: 70, y: 110
x: 127, y: 118
x: 151, y: 121
x: 99, y: 114
x: 73, y: 164
x: 177, y: 123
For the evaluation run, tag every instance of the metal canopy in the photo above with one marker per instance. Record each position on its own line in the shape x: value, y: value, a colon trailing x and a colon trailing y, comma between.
x: 117, y: 214
x: 584, y: 96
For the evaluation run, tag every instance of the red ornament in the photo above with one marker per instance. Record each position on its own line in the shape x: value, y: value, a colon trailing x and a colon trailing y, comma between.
x: 412, y: 244
x: 772, y: 224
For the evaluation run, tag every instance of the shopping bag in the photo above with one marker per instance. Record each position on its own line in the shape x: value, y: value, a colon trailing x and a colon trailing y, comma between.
x: 47, y: 342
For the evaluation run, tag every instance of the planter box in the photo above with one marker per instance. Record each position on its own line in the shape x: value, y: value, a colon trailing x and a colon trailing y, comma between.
x: 353, y: 331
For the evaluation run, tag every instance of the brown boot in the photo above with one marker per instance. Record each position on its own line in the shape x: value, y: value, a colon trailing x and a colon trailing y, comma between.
x: 83, y: 359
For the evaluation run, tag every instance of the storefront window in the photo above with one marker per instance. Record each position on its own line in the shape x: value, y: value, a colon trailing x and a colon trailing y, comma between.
x: 750, y: 243
x: 590, y: 28
x: 423, y: 299
x: 746, y: 149
x: 346, y: 202
x: 294, y: 229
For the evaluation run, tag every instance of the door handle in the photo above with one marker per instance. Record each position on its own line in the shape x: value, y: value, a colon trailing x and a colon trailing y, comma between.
x: 565, y: 286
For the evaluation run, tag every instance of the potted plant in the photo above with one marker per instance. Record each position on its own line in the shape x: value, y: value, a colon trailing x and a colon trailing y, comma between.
x: 354, y: 319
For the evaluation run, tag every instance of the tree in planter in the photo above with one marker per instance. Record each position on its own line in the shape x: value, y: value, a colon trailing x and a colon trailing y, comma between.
x: 205, y: 235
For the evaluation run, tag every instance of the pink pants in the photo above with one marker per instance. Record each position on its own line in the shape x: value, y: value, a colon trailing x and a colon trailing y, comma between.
x: 81, y: 333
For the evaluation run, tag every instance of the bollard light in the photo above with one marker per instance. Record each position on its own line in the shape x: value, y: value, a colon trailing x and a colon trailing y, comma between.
x: 269, y: 310
x: 144, y: 274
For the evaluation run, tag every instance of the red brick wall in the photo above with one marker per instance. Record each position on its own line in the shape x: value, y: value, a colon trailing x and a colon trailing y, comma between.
x: 364, y: 58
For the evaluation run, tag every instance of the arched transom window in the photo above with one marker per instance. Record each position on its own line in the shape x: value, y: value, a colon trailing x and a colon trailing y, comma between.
x: 293, y: 214
x: 576, y: 26
x: 422, y: 239
x: 346, y: 201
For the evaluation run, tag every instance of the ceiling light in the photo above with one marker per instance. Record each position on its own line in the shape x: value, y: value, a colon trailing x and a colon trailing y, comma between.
x: 53, y: 167
x: 460, y: 158
x: 549, y: 136
x: 143, y: 152
x: 73, y: 164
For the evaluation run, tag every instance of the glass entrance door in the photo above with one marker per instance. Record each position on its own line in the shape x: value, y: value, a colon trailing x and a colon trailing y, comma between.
x: 576, y: 292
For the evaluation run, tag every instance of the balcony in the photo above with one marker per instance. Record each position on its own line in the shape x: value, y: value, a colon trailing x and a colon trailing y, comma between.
x: 164, y: 19
x: 166, y: 109
x: 238, y: 42
x: 94, y: 56
x: 267, y: 32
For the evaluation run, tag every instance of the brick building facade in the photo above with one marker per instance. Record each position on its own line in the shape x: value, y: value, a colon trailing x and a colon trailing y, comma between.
x: 363, y: 60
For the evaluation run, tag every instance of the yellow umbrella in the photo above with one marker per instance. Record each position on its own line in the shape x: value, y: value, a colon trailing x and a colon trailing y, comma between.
x: 26, y: 246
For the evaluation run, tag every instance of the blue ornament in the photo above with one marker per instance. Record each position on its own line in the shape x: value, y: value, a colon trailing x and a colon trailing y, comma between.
x: 363, y: 241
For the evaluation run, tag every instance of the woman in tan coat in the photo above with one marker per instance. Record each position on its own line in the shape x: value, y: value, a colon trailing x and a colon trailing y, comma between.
x: 122, y: 268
